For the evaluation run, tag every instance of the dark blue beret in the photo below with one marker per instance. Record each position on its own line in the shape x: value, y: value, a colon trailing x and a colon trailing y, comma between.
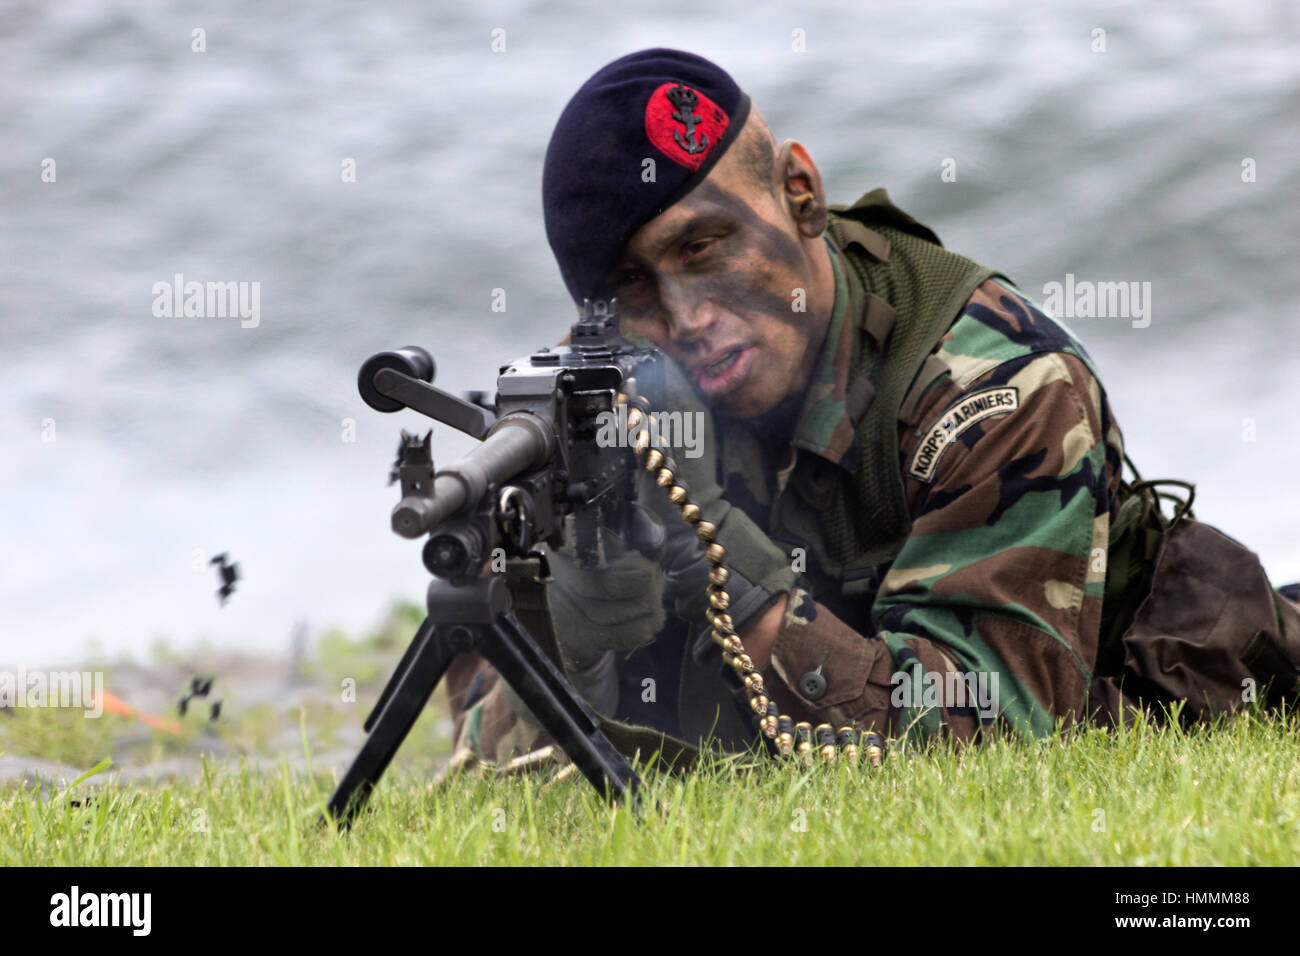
x: 675, y: 108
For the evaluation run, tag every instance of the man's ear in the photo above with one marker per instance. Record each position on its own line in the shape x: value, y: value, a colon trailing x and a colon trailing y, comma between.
x: 801, y: 188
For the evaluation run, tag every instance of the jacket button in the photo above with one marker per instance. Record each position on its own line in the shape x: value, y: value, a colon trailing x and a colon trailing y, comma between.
x: 812, y: 685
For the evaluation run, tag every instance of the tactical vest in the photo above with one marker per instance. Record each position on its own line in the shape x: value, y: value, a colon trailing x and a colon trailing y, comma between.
x: 853, y: 526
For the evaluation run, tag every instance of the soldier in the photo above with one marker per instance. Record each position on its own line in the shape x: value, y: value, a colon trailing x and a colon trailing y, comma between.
x: 914, y: 469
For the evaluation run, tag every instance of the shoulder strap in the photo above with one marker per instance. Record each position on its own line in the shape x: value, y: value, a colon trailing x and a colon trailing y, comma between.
x: 900, y: 261
x: 875, y: 207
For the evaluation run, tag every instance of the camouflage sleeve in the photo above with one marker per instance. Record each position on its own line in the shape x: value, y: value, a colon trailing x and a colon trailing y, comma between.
x: 989, y: 616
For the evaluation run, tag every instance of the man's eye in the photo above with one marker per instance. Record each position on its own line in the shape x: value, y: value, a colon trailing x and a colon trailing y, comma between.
x: 697, y: 247
x: 629, y: 278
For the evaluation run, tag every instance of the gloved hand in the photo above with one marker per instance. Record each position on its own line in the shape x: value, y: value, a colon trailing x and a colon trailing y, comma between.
x: 616, y: 607
x: 760, y: 570
x: 596, y: 612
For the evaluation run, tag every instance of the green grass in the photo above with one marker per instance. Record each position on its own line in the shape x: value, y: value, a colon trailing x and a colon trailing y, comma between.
x: 1228, y: 795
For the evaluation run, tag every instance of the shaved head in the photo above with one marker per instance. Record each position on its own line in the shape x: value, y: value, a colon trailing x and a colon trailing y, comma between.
x: 757, y: 148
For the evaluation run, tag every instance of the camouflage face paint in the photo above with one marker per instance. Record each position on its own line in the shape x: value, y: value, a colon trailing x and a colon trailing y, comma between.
x: 772, y: 251
x: 757, y: 253
x: 746, y: 290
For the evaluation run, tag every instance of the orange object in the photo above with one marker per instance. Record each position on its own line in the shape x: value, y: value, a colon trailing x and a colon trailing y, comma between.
x: 116, y: 705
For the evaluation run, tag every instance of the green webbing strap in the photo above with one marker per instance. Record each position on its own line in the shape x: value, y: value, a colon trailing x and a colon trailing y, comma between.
x: 654, y: 749
x: 927, y: 286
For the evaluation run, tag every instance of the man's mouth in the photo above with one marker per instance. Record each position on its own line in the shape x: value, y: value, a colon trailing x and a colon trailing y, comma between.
x: 725, y: 373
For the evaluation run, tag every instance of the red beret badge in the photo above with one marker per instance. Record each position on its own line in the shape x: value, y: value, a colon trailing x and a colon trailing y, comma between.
x: 683, y: 124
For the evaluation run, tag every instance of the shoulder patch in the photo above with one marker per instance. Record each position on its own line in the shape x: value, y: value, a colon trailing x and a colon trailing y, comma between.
x: 954, y: 420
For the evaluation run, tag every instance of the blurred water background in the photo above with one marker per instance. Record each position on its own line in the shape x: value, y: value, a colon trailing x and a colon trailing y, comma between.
x: 179, y: 438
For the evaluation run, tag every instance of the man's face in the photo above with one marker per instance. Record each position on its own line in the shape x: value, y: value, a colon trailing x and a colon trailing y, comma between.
x: 726, y: 284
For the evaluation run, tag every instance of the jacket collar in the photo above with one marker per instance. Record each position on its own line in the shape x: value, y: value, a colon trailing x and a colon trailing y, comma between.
x: 839, y: 393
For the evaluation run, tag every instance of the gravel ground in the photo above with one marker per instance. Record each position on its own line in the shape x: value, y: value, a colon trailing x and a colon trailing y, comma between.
x: 267, y: 705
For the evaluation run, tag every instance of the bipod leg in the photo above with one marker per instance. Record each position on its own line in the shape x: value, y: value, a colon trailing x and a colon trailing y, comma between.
x: 557, y: 706
x: 426, y: 627
x: 407, y: 692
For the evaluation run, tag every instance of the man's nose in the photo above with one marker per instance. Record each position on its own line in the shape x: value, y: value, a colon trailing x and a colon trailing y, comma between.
x: 690, y: 316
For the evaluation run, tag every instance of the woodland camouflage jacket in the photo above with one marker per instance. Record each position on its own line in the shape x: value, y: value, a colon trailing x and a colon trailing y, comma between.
x: 1011, y: 458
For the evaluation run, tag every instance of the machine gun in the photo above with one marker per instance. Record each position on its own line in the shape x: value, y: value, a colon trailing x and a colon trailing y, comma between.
x: 539, y: 462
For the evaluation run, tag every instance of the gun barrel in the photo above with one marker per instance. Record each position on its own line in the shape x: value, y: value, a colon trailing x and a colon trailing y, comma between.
x: 517, y: 443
